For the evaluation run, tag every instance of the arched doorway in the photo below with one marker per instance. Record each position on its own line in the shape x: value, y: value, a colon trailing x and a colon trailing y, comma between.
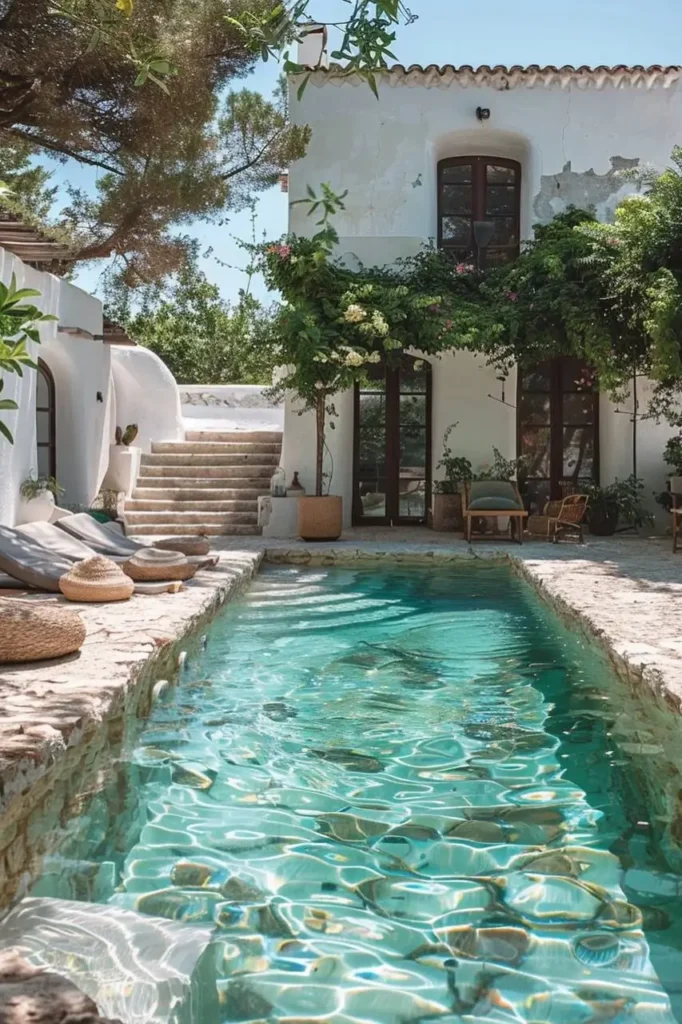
x: 392, y: 444
x: 558, y: 429
x: 46, y: 421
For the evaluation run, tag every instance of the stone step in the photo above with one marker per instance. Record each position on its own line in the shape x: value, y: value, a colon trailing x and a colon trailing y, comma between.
x: 135, y: 519
x: 172, y: 505
x: 194, y: 530
x: 215, y: 448
x: 269, y: 462
x: 194, y: 491
x: 248, y: 436
x: 204, y: 476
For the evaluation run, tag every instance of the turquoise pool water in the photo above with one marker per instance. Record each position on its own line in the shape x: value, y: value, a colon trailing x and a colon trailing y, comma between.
x: 402, y: 796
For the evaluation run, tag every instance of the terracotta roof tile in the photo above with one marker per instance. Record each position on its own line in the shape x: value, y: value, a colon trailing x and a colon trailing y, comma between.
x: 502, y: 77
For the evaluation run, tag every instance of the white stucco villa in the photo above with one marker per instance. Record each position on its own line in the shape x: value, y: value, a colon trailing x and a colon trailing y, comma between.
x: 442, y: 148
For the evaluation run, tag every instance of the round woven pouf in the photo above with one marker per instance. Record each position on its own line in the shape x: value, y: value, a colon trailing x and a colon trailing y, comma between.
x: 96, y: 579
x: 31, y: 631
x: 153, y: 564
x: 186, y: 545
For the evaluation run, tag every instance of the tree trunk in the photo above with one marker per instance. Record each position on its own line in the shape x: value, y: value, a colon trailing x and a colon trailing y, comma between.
x: 319, y: 424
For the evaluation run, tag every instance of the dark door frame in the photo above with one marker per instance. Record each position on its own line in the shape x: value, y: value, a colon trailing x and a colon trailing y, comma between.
x: 557, y: 425
x: 392, y: 428
x: 51, y: 443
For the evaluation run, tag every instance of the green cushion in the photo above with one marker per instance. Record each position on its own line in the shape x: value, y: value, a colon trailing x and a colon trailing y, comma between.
x: 488, y: 495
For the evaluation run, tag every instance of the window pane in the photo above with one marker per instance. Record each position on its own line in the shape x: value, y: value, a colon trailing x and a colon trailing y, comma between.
x: 535, y: 443
x: 373, y: 452
x: 412, y: 498
x: 372, y: 411
x: 572, y: 372
x: 43, y: 427
x: 504, y: 231
x: 456, y: 174
x: 43, y: 461
x: 537, y: 379
x: 412, y: 410
x: 456, y: 199
x: 373, y: 497
x: 578, y: 407
x: 535, y: 409
x: 456, y: 230
x: 412, y: 452
x: 500, y: 199
x: 498, y: 175
x: 578, y: 458
x: 43, y: 392
x: 412, y: 380
x: 496, y: 257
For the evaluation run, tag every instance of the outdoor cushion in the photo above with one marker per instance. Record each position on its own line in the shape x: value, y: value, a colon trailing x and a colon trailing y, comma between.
x: 99, y: 536
x: 28, y: 561
x: 59, y: 541
x: 488, y: 495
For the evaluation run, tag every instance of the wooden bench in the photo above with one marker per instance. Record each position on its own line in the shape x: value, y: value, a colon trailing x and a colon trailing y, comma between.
x: 516, y: 515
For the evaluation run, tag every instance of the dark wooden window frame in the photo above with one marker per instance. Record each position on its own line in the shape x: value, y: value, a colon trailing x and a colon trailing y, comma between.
x: 479, y: 182
x: 557, y: 426
x: 51, y: 444
x: 392, y: 406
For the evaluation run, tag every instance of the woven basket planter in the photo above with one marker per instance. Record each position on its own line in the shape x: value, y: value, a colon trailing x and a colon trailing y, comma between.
x: 96, y: 579
x: 185, y: 545
x: 154, y: 564
x: 34, y: 632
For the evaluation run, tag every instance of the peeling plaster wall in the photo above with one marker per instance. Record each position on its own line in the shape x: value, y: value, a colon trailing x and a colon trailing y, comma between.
x: 573, y: 140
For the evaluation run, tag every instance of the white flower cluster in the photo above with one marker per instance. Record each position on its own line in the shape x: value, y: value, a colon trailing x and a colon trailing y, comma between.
x: 354, y: 314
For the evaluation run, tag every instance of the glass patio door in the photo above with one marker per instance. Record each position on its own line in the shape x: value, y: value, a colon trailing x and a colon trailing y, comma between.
x: 392, y: 478
x: 558, y: 429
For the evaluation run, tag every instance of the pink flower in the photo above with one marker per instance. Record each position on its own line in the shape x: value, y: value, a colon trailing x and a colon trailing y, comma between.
x: 434, y: 308
x: 283, y: 251
x: 512, y: 296
x: 464, y: 268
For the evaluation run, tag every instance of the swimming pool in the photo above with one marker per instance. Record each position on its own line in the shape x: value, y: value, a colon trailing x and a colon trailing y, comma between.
x: 398, y: 795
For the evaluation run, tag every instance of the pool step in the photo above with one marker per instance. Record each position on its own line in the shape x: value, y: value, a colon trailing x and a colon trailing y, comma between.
x: 210, y: 483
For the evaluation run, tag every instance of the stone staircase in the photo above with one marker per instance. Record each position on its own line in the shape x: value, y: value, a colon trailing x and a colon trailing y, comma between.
x: 207, y: 484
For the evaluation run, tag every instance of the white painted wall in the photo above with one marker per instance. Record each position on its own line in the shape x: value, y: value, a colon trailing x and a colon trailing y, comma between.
x: 146, y: 394
x: 564, y: 132
x: 80, y: 366
x: 229, y: 407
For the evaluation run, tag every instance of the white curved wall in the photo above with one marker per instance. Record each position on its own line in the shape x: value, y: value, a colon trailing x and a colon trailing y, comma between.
x: 80, y: 366
x: 146, y: 394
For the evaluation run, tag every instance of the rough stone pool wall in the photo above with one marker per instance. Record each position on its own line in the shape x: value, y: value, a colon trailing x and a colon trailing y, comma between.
x: 63, y: 722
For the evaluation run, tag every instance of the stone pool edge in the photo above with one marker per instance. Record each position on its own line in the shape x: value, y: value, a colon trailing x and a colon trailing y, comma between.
x: 56, y: 724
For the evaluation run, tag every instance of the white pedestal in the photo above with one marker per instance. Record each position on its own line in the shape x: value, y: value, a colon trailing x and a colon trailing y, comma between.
x: 124, y: 466
x: 278, y: 516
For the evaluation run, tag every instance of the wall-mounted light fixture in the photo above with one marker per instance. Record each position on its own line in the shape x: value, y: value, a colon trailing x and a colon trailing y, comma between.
x: 483, y: 113
x: 100, y: 397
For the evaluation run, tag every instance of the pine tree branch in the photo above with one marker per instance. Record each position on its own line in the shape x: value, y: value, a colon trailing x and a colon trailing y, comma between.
x: 55, y: 147
x: 254, y: 160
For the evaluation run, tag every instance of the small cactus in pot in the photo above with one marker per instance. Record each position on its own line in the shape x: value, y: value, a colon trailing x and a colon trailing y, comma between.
x: 127, y: 436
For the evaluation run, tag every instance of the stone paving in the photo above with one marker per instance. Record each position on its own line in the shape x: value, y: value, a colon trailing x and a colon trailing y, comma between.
x: 626, y: 591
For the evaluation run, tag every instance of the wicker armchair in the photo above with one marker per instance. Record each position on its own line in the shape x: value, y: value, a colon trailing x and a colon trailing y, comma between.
x: 559, y: 516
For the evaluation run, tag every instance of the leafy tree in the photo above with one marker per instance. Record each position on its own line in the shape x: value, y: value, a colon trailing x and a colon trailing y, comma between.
x: 201, y: 338
x: 18, y: 326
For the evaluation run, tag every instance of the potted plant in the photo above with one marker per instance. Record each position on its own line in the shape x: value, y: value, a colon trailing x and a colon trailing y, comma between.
x: 124, y: 461
x: 619, y: 503
x: 447, y: 498
x: 672, y: 456
x: 38, y: 496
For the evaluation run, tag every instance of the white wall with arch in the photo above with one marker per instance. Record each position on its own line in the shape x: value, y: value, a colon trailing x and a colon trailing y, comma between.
x: 146, y: 394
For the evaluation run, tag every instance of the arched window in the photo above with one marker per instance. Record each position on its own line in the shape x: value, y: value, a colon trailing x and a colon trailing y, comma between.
x: 45, y: 421
x: 474, y: 189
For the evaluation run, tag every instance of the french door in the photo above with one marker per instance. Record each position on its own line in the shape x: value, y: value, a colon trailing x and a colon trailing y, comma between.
x: 558, y: 429
x: 392, y: 456
x: 46, y: 434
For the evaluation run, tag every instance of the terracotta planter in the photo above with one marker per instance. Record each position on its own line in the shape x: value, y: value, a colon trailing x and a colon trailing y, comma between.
x: 320, y: 518
x: 447, y: 512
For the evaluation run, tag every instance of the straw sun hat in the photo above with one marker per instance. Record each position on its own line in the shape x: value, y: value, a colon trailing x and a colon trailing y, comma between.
x: 33, y: 631
x: 186, y: 545
x: 96, y: 579
x: 153, y: 564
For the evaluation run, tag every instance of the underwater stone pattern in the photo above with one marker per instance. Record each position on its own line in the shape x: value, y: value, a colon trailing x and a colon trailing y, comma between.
x: 58, y: 718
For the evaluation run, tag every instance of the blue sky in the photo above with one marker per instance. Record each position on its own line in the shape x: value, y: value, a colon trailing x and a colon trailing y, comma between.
x: 459, y: 32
